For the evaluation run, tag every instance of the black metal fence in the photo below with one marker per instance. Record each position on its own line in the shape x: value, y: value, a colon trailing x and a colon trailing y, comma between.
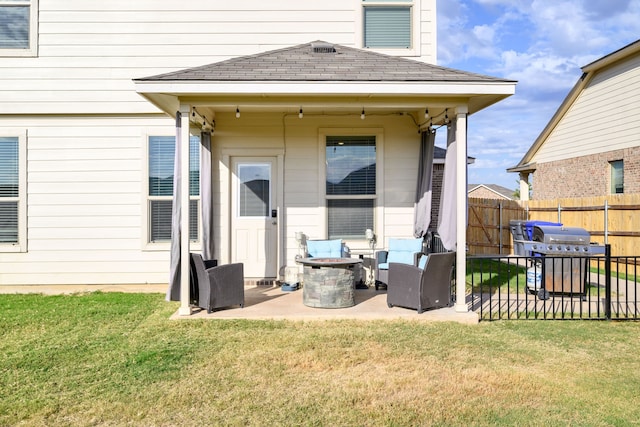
x: 599, y: 287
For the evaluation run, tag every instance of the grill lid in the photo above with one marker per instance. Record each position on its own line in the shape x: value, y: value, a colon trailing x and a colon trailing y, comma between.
x: 554, y: 234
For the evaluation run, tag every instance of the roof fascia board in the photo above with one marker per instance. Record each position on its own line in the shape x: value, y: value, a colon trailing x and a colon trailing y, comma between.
x: 327, y: 88
x: 614, y: 57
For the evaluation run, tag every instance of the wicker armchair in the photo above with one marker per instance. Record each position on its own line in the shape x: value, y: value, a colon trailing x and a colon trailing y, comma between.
x: 422, y: 288
x: 406, y: 251
x: 217, y: 286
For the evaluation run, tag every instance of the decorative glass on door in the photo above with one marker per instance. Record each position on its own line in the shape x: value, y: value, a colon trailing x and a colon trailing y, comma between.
x: 254, y: 192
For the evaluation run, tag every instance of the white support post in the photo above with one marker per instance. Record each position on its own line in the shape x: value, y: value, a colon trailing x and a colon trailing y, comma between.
x: 524, y: 186
x: 461, y: 209
x: 185, y: 306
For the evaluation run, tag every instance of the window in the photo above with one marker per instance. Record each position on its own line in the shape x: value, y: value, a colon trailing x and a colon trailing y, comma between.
x: 18, y: 27
x: 254, y: 192
x: 350, y: 185
x: 161, y: 162
x: 12, y: 193
x: 617, y: 177
x: 387, y: 24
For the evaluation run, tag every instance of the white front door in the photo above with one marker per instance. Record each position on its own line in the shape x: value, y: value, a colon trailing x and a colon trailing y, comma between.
x: 254, y: 227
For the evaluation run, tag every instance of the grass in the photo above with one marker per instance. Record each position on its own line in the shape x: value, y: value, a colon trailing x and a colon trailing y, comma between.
x: 117, y: 359
x: 488, y: 274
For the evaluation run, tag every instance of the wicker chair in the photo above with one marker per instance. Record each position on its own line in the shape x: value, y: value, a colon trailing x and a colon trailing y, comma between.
x: 217, y: 286
x: 407, y: 251
x: 422, y: 288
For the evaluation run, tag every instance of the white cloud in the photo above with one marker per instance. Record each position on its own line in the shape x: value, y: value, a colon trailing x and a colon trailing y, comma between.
x: 540, y: 43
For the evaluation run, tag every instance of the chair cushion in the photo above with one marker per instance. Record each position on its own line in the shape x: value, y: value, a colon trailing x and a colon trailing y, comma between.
x: 403, y: 250
x: 407, y: 245
x: 423, y: 261
x: 324, y: 248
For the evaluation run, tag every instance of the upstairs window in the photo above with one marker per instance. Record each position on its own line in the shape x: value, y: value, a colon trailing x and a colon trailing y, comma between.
x: 617, y: 177
x: 18, y: 27
x: 387, y: 24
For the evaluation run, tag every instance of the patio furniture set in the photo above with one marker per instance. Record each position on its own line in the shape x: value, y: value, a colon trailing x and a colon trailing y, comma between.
x: 331, y: 276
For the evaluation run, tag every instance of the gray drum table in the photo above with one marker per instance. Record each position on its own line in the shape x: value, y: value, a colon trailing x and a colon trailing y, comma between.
x: 328, y: 282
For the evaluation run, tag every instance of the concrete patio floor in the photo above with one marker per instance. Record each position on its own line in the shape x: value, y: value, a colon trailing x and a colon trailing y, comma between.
x: 271, y: 303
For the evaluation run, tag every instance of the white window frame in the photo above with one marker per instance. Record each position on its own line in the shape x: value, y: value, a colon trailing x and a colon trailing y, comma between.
x: 612, y: 168
x: 147, y: 244
x: 21, y: 244
x: 416, y: 11
x: 378, y: 204
x: 32, y: 50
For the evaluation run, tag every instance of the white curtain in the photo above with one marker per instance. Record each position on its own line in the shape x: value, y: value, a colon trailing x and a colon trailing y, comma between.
x: 448, y: 208
x: 173, y: 293
x: 206, y: 199
x: 422, y: 206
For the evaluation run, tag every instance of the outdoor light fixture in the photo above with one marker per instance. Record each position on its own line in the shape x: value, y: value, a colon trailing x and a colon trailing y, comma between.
x: 426, y: 113
x: 446, y: 116
x: 237, y: 113
x: 362, y: 114
x: 300, y: 114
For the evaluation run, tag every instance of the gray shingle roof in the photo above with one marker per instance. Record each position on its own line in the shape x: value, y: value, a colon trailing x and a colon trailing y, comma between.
x: 338, y: 63
x: 506, y: 192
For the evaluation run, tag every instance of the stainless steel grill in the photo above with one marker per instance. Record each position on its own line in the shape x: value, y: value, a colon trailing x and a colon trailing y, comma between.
x: 561, y: 266
x: 559, y: 240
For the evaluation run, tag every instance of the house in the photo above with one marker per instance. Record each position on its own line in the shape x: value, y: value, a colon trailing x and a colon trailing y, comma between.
x: 591, y: 145
x: 489, y: 191
x: 101, y: 100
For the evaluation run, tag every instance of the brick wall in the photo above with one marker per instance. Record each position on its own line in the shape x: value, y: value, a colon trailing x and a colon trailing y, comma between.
x: 586, y: 176
x: 436, y: 191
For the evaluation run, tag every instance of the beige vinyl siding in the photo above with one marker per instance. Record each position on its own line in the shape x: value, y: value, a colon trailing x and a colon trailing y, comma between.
x: 304, y: 201
x: 90, y: 51
x: 603, y: 118
x: 84, y: 202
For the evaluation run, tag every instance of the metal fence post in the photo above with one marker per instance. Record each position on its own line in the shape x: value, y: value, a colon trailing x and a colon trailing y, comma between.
x: 607, y: 281
x: 559, y: 212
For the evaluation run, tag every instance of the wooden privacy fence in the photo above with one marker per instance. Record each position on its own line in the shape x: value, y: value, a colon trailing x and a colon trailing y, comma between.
x: 488, y: 231
x: 613, y: 220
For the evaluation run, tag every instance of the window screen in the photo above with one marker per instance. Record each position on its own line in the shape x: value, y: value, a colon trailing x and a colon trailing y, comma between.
x: 161, y: 163
x: 350, y: 185
x: 9, y: 189
x: 617, y: 177
x: 14, y: 24
x: 387, y: 27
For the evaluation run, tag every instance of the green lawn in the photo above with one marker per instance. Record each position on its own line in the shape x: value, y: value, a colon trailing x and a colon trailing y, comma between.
x: 116, y: 359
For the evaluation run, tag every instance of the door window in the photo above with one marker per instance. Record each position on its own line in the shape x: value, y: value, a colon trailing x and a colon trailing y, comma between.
x: 254, y: 189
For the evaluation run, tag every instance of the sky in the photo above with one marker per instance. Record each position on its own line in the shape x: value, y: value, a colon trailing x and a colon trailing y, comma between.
x: 542, y: 44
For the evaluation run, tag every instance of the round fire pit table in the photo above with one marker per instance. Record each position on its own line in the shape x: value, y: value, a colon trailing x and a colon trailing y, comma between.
x: 328, y: 282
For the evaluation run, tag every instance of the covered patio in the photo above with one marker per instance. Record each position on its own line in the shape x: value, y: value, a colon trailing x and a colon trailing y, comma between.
x: 271, y: 303
x: 325, y: 86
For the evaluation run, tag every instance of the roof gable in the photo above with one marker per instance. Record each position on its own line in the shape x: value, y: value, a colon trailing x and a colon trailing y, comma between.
x: 627, y: 53
x: 322, y: 61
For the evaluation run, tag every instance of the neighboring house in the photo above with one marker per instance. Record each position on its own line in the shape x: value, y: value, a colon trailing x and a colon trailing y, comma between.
x: 591, y: 146
x: 489, y: 191
x: 89, y: 178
